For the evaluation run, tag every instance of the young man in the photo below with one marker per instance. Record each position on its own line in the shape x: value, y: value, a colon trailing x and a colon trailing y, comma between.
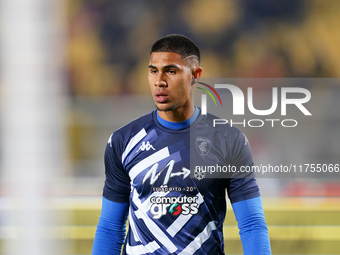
x: 147, y: 167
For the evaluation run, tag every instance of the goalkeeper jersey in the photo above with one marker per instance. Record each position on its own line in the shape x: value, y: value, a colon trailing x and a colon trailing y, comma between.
x: 174, y: 207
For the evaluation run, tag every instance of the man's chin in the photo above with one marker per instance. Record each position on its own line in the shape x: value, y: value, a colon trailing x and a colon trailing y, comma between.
x: 164, y: 108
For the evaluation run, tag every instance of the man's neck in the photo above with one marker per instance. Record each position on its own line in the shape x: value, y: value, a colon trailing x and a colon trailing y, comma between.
x: 177, y: 115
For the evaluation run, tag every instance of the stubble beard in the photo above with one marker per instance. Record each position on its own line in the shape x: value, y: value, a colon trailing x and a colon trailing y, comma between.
x: 169, y: 109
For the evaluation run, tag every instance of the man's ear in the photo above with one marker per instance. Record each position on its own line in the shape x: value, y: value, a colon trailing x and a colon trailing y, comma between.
x: 197, y: 73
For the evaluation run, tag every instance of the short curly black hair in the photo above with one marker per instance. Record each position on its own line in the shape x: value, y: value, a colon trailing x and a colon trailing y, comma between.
x: 177, y: 43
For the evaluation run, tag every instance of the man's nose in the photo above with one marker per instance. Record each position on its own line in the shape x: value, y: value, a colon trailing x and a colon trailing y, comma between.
x: 160, y: 81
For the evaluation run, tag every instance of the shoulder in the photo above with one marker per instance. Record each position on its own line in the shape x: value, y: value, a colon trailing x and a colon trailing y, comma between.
x: 217, y: 125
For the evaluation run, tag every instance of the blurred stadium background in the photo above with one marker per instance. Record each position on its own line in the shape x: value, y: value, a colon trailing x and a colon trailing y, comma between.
x: 74, y: 71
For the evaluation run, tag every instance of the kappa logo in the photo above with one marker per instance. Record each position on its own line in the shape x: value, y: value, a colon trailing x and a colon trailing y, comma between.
x: 246, y: 140
x: 145, y: 146
x: 203, y: 146
x: 110, y: 140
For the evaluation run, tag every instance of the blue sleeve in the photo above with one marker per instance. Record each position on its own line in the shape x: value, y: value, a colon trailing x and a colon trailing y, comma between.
x: 111, y: 227
x: 252, y: 226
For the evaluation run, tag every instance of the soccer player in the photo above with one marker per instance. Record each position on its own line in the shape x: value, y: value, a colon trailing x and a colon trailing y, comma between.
x: 147, y: 167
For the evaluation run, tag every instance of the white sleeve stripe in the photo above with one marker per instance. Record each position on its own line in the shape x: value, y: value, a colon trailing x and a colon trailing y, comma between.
x: 134, y: 140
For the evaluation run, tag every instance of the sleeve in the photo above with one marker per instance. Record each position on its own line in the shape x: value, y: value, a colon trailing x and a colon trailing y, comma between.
x: 117, y: 183
x: 252, y: 226
x: 242, y: 184
x: 111, y: 228
x: 245, y: 197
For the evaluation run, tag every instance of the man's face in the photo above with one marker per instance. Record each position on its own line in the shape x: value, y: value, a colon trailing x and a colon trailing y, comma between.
x: 170, y: 80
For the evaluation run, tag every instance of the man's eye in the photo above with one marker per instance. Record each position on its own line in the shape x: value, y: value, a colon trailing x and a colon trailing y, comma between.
x: 172, y: 71
x: 153, y: 71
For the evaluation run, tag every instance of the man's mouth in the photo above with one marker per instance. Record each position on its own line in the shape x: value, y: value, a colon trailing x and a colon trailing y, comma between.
x: 161, y: 97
